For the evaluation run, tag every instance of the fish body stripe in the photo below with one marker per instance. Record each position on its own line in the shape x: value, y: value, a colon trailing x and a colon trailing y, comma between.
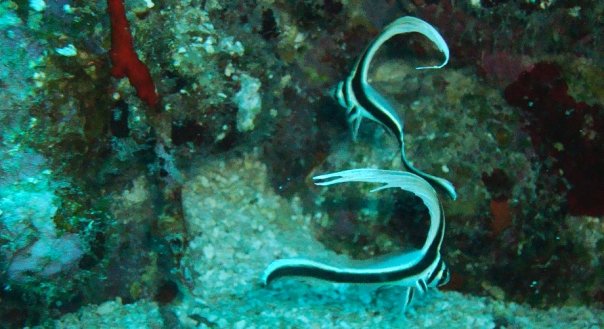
x: 376, y: 111
x: 410, y: 272
x: 414, y: 271
x: 437, y: 271
x: 363, y: 101
x: 444, y: 277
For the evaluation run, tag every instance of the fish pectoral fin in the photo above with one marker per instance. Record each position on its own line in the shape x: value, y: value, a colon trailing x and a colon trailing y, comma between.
x: 408, y: 298
x: 355, y: 121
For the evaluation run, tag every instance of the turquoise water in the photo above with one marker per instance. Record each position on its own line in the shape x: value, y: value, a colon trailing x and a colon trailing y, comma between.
x: 157, y: 156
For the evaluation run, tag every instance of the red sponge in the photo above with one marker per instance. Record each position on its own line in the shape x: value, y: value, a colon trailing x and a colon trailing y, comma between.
x: 123, y: 57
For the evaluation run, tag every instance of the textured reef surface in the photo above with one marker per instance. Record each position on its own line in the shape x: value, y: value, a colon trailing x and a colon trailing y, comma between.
x: 156, y: 156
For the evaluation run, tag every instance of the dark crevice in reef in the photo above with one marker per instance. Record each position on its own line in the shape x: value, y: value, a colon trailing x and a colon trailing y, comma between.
x: 566, y: 130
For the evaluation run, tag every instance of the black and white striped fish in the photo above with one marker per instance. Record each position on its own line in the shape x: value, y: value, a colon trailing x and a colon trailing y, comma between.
x: 361, y: 100
x: 416, y: 270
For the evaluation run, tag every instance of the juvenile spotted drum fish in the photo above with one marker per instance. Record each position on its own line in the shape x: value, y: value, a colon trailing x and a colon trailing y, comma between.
x: 361, y: 100
x: 415, y: 270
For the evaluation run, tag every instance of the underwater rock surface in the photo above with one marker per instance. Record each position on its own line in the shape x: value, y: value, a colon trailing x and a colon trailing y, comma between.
x: 242, y: 225
x: 124, y: 210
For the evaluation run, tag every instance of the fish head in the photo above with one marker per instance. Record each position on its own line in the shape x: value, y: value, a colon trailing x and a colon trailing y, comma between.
x: 337, y: 93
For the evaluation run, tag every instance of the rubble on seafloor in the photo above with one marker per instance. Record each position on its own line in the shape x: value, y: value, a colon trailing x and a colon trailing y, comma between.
x: 238, y: 225
x: 114, y: 212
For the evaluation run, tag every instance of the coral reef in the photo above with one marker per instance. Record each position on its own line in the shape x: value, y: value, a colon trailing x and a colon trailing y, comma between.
x: 123, y: 57
x: 566, y: 130
x: 169, y: 213
x: 240, y: 224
